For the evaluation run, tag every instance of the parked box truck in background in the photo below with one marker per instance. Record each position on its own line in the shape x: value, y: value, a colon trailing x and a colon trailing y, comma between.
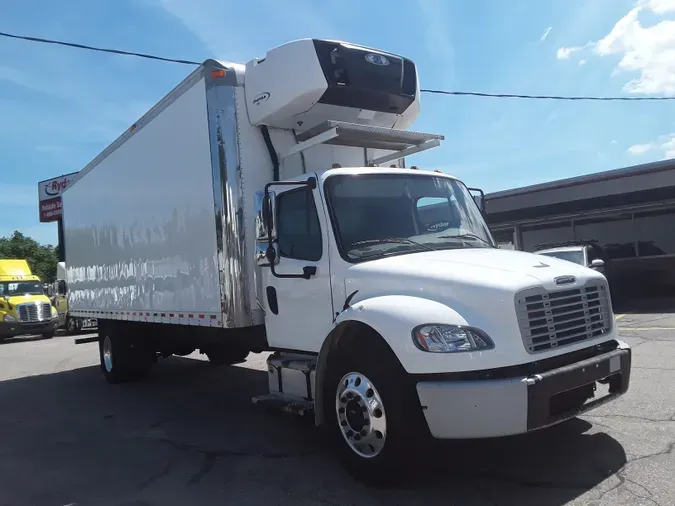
x: 267, y: 207
x: 71, y: 324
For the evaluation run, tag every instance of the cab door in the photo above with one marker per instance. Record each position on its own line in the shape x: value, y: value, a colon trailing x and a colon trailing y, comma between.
x: 294, y: 288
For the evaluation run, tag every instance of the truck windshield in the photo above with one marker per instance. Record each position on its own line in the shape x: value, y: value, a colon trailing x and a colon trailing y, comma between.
x: 13, y: 288
x: 382, y: 214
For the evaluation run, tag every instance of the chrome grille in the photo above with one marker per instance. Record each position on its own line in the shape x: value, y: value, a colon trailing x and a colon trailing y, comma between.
x: 550, y: 320
x: 34, y: 312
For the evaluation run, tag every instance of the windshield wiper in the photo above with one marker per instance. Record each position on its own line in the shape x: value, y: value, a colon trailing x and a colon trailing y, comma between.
x: 467, y: 236
x: 390, y: 240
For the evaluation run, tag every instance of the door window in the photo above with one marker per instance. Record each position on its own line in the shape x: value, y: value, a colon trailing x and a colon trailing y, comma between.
x: 298, y: 229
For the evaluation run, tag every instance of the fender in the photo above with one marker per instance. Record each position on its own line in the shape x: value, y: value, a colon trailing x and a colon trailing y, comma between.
x: 393, y: 317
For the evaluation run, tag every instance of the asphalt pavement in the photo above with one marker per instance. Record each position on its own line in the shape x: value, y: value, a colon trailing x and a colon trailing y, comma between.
x: 190, y: 435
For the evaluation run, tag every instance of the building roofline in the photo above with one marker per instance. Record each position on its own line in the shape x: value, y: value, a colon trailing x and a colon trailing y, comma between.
x: 633, y: 170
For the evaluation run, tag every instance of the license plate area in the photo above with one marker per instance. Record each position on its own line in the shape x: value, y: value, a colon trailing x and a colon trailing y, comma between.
x: 571, y: 390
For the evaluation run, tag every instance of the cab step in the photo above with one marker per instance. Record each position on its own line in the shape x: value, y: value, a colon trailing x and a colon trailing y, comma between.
x: 291, y: 379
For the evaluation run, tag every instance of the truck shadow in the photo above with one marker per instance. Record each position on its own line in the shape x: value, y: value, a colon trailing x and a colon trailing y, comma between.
x: 190, y: 435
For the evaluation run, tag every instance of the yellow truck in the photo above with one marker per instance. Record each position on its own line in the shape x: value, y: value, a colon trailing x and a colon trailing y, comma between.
x: 24, y: 307
x: 71, y: 324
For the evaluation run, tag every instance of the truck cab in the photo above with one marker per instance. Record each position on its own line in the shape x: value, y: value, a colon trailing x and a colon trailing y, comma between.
x: 24, y: 307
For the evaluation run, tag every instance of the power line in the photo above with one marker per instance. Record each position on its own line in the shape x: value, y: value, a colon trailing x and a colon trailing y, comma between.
x: 543, y: 97
x: 99, y: 49
x: 430, y: 91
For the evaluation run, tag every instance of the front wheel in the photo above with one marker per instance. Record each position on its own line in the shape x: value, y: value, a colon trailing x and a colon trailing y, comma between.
x: 48, y: 335
x: 374, y: 415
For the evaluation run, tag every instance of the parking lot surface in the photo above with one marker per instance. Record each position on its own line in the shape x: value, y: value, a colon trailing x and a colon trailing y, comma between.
x: 190, y: 435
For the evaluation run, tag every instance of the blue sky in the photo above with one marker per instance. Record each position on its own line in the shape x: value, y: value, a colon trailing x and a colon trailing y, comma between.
x: 59, y: 107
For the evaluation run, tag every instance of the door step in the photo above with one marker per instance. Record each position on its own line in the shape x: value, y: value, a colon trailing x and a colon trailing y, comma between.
x: 291, y: 380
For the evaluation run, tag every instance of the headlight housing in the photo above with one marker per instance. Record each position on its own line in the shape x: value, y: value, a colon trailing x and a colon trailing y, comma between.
x: 440, y: 338
x: 9, y: 318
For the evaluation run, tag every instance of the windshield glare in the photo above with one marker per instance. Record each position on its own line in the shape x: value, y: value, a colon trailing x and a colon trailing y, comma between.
x: 571, y: 256
x: 382, y: 214
x: 21, y: 288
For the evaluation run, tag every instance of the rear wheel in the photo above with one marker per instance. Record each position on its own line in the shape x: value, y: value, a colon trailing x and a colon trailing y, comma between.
x: 373, y: 414
x: 71, y: 325
x: 121, y: 358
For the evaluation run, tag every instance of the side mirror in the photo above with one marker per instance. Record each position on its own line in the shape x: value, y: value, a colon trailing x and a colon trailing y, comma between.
x: 265, y: 226
x: 61, y: 287
x: 266, y: 255
x: 597, y: 263
x: 479, y: 198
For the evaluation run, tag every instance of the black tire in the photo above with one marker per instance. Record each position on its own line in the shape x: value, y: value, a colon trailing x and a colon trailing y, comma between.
x: 406, y: 428
x: 123, y: 358
x: 225, y: 355
x: 48, y: 335
x: 71, y: 325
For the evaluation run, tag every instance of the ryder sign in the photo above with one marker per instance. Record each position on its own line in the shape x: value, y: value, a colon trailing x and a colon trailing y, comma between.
x: 49, y: 195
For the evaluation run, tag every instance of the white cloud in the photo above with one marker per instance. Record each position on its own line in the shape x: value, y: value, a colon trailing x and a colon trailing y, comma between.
x: 648, y: 51
x: 548, y: 30
x: 665, y: 145
x: 564, y: 53
x: 641, y: 149
x: 582, y: 62
x: 660, y: 6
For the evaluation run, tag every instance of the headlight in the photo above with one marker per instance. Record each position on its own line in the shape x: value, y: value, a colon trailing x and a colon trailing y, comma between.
x: 9, y: 318
x: 438, y: 338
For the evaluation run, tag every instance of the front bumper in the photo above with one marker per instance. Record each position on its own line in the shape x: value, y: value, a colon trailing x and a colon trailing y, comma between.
x: 13, y: 329
x: 514, y: 405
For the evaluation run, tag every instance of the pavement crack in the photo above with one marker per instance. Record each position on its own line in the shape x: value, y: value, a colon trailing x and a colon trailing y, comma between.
x: 207, y: 466
x: 654, y: 368
x: 158, y: 476
x: 214, y: 454
x: 544, y: 484
x: 632, y: 417
x: 669, y: 449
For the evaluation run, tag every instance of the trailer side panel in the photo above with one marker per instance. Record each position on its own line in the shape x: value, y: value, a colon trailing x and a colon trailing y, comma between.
x: 140, y: 227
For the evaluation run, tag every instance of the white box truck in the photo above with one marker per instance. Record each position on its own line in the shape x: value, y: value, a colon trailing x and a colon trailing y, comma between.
x: 267, y: 207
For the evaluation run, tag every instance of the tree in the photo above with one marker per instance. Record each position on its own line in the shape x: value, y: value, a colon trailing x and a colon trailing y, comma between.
x: 41, y: 258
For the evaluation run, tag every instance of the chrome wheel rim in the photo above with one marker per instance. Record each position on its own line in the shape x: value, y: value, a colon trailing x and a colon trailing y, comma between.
x: 361, y: 415
x: 107, y: 354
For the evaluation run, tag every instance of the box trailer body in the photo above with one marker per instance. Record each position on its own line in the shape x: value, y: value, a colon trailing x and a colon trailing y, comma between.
x: 249, y: 210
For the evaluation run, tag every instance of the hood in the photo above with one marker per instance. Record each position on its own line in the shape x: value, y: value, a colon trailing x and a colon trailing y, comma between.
x: 21, y: 299
x: 479, y: 285
x: 504, y: 270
